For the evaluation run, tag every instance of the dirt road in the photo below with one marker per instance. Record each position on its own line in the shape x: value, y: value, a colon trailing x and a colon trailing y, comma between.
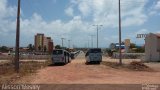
x: 77, y: 72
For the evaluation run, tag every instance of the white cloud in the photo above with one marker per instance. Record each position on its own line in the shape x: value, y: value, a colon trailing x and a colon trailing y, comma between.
x: 36, y: 24
x: 7, y: 23
x: 142, y: 31
x: 54, y: 1
x: 99, y: 11
x: 157, y: 6
x: 135, y: 20
x: 106, y: 11
x: 152, y: 13
x: 69, y: 11
x: 154, y: 10
x: 84, y: 8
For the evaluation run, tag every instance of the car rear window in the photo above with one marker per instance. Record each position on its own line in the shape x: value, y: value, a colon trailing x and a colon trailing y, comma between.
x: 95, y: 50
x: 56, y: 52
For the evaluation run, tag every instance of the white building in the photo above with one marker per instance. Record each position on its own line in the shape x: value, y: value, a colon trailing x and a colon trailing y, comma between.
x: 152, y: 47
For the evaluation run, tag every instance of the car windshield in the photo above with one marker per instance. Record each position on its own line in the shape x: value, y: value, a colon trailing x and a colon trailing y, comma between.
x: 57, y: 52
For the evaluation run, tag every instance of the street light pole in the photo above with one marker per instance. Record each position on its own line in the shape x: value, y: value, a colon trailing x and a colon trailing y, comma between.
x: 88, y: 44
x: 62, y: 42
x: 97, y: 36
x: 17, y: 38
x: 97, y: 32
x: 120, y: 53
x: 69, y: 43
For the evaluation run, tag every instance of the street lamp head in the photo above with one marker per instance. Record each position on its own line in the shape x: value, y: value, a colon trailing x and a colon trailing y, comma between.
x: 62, y: 38
x: 97, y: 25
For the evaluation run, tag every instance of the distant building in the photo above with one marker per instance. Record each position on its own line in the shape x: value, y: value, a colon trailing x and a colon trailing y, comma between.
x: 43, y: 43
x: 152, y: 47
x: 39, y: 42
x: 48, y: 44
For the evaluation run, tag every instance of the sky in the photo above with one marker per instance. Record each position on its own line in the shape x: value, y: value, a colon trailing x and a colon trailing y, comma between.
x: 74, y: 20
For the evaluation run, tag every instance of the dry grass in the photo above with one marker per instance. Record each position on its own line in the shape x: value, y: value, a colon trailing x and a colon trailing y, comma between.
x: 8, y: 74
x: 133, y: 66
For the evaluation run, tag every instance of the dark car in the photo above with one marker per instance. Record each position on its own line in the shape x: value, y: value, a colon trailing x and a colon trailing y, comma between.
x: 72, y: 55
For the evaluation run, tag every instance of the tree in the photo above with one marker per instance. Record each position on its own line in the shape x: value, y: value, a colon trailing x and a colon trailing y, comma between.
x: 132, y: 45
x: 58, y: 47
x: 31, y: 47
x: 112, y: 46
x: 39, y: 48
x: 4, y: 49
x: 45, y: 48
x: 110, y: 52
x: 140, y: 50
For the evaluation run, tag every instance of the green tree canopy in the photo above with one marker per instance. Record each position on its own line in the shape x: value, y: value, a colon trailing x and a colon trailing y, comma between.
x: 4, y: 49
x: 58, y: 47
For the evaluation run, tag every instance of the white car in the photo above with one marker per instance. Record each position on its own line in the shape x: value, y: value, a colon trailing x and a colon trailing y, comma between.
x: 94, y: 55
x: 60, y: 56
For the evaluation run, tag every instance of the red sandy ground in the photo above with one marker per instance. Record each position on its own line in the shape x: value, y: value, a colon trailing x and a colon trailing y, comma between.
x: 77, y: 72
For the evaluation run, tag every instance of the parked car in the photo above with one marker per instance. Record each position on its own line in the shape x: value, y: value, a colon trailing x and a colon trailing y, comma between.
x: 60, y: 56
x: 94, y: 55
x: 72, y: 55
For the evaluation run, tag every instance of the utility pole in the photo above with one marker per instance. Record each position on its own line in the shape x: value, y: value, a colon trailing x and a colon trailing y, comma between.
x: 88, y: 44
x: 17, y: 38
x: 97, y: 32
x: 120, y: 41
x: 62, y: 41
x: 69, y: 43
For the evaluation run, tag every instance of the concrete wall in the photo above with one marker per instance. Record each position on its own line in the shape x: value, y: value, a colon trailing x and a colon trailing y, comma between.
x: 27, y: 57
x: 129, y: 55
x: 151, y: 48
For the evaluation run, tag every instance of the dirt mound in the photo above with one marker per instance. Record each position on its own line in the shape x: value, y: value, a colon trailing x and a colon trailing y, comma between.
x: 138, y: 66
x: 133, y: 66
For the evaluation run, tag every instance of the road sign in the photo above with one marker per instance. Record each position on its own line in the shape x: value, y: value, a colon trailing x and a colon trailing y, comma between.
x: 141, y: 35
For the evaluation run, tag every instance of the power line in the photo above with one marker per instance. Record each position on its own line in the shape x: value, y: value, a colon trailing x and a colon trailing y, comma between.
x: 134, y: 3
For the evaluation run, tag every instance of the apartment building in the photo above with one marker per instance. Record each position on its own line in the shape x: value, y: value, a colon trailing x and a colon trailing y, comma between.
x: 43, y: 43
x: 39, y: 41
